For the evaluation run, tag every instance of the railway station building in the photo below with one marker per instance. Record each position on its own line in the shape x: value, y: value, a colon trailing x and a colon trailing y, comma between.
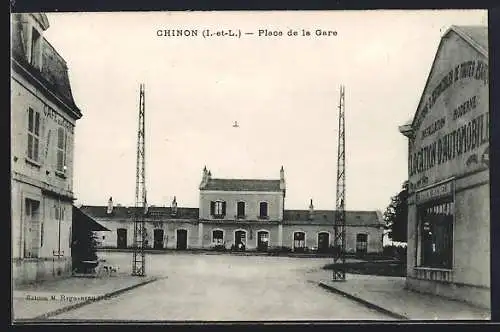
x: 240, y: 214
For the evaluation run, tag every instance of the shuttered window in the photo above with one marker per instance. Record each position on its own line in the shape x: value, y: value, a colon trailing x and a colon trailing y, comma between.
x: 218, y: 209
x: 61, y: 149
x: 33, y: 135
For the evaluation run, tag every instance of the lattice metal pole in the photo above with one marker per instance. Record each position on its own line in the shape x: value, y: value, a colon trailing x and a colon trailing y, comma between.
x: 340, y: 226
x: 139, y: 259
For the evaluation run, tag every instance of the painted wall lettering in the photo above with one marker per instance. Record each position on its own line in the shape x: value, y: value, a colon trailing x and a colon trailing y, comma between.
x: 471, y: 69
x: 50, y: 113
x: 464, y: 139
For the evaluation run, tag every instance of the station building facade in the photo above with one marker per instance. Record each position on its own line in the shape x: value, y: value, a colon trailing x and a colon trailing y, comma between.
x: 448, y: 171
x: 43, y: 117
x: 244, y: 214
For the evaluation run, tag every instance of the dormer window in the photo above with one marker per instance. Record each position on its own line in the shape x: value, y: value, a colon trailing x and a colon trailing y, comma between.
x: 36, y: 49
x: 218, y: 209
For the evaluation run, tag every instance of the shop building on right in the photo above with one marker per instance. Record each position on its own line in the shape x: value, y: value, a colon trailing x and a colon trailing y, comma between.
x: 448, y: 173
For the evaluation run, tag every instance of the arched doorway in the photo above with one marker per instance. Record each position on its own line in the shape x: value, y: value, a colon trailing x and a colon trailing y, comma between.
x: 240, y: 239
x: 158, y: 239
x: 299, y: 241
x: 262, y: 240
x: 323, y: 242
x: 361, y: 244
x: 181, y: 239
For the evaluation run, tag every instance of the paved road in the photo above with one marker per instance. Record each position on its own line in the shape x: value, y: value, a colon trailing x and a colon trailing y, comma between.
x: 226, y: 288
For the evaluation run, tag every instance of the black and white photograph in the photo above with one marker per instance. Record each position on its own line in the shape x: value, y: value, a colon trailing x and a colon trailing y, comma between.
x: 250, y: 166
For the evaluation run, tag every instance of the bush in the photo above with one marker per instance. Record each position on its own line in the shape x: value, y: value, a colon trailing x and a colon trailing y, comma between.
x: 275, y: 250
x: 219, y: 247
x: 396, y: 252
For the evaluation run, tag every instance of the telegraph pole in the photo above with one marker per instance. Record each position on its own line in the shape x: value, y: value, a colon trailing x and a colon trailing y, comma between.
x: 339, y: 226
x: 139, y: 259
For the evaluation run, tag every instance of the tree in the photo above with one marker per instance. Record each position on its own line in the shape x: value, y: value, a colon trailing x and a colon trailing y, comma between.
x: 396, y: 215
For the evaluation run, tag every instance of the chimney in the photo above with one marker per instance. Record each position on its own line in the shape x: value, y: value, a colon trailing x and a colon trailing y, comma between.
x: 174, y: 207
x: 282, y: 179
x: 110, y: 206
x: 204, y: 178
x: 311, y: 210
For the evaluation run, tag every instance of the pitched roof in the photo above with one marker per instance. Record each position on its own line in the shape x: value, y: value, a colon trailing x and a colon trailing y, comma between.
x: 242, y: 185
x: 86, y: 221
x: 475, y: 35
x: 353, y: 218
x: 54, y: 72
x: 123, y: 212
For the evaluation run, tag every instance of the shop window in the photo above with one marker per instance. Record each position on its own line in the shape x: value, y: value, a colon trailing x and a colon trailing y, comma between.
x: 33, y: 135
x: 435, y: 222
x: 263, y: 210
x: 218, y: 237
x: 32, y: 229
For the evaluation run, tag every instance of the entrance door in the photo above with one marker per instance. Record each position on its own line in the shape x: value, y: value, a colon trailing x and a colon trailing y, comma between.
x: 262, y: 240
x: 323, y: 242
x: 121, y: 238
x: 181, y: 239
x: 239, y: 240
x: 299, y: 241
x: 361, y: 244
x: 158, y: 239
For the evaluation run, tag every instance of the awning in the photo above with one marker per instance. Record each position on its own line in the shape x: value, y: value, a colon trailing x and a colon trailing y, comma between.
x: 81, y: 217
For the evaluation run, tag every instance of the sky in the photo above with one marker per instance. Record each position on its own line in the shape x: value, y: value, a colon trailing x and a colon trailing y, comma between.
x: 282, y: 90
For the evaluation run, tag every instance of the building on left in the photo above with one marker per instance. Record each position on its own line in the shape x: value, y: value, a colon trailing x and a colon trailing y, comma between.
x: 43, y: 117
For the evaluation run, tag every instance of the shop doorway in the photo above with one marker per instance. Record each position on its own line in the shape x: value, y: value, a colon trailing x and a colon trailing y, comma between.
x: 158, y: 239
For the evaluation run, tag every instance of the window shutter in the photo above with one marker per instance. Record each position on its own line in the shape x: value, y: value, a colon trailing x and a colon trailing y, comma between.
x: 224, y: 208
x: 212, y: 208
x: 69, y: 154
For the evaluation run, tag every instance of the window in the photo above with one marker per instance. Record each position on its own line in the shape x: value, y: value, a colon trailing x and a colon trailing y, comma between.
x: 33, y: 134
x: 218, y: 209
x: 218, y: 237
x: 436, y: 234
x: 240, y: 213
x: 32, y: 236
x: 263, y: 210
x: 36, y: 48
x: 62, y: 139
x: 361, y: 243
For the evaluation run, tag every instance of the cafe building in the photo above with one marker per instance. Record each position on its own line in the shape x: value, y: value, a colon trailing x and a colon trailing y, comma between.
x: 448, y: 172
